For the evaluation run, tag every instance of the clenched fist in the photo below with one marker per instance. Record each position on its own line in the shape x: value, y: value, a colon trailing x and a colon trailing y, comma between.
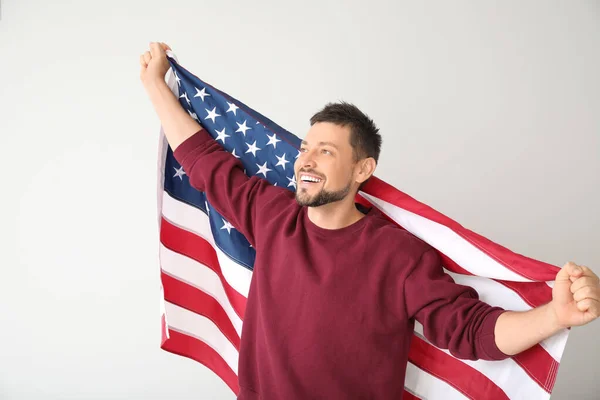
x: 154, y: 63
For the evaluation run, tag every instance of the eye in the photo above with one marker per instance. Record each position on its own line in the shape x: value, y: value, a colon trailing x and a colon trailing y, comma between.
x: 325, y: 151
x: 303, y: 150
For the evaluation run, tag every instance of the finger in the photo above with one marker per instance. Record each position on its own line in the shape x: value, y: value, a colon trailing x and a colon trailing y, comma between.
x: 142, y: 61
x: 147, y: 57
x: 165, y: 46
x: 589, y: 305
x: 586, y: 292
x: 578, y: 283
x: 565, y: 273
x: 589, y: 273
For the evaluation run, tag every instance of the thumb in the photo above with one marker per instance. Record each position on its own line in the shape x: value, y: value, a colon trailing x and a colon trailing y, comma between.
x: 156, y: 49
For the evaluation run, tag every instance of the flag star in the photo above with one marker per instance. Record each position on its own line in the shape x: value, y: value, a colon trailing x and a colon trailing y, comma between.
x: 222, y: 135
x: 184, y: 95
x: 297, y: 154
x: 242, y: 128
x: 262, y: 169
x: 212, y: 115
x: 252, y: 148
x: 273, y: 140
x: 179, y: 173
x: 233, y: 154
x: 257, y: 122
x: 282, y: 161
x: 292, y: 181
x: 201, y: 93
x: 233, y: 108
x: 275, y: 184
x: 193, y: 115
x: 227, y: 226
x: 177, y: 78
x: 207, y: 209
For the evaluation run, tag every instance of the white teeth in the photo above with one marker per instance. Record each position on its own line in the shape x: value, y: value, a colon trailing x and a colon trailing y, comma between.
x: 305, y: 178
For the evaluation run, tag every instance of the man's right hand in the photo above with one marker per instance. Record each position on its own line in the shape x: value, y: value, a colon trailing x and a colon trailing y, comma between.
x: 154, y: 64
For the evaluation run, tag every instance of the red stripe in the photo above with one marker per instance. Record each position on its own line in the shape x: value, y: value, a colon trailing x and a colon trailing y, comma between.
x: 197, y: 248
x: 187, y: 346
x: 459, y: 375
x: 199, y: 302
x: 528, y: 267
x: 539, y: 365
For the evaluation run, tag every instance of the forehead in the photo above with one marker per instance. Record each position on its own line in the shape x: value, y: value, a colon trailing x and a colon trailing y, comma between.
x: 328, y: 132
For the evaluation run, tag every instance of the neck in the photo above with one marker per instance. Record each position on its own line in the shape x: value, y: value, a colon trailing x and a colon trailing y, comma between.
x: 335, y: 215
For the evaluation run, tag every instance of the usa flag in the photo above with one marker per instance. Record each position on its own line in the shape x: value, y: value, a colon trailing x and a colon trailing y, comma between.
x: 206, y: 264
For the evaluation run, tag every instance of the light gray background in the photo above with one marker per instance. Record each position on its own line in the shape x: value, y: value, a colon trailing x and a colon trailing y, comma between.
x: 490, y: 113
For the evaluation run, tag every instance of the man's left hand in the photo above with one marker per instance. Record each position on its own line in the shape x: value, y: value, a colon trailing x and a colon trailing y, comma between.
x: 575, y: 296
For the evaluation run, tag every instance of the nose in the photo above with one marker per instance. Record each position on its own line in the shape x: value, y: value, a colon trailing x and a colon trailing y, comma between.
x: 307, y: 160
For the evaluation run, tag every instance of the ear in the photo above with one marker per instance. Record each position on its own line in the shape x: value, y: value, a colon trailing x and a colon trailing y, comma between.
x: 365, y: 169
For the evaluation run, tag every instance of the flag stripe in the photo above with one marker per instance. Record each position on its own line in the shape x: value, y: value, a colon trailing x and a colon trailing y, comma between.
x: 196, y: 221
x: 516, y: 385
x: 427, y: 386
x: 199, y: 327
x: 190, y: 347
x: 540, y: 294
x: 473, y: 252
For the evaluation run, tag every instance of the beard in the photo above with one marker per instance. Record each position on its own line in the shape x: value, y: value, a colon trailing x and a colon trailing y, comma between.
x: 322, y: 197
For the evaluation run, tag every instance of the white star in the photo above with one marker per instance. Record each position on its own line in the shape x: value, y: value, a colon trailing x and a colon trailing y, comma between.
x: 212, y: 114
x: 233, y: 154
x: 232, y: 107
x: 242, y: 128
x: 207, y: 209
x: 227, y: 226
x: 222, y: 135
x: 193, y: 115
x: 275, y: 184
x: 184, y: 95
x: 273, y: 140
x: 252, y: 148
x: 292, y: 181
x: 282, y: 161
x: 297, y: 154
x: 262, y: 169
x: 177, y: 78
x: 201, y: 93
x: 179, y: 173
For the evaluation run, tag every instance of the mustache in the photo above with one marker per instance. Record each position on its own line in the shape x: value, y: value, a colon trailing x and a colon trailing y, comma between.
x: 312, y: 172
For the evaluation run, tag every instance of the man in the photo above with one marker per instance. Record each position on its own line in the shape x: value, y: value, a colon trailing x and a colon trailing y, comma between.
x: 336, y: 288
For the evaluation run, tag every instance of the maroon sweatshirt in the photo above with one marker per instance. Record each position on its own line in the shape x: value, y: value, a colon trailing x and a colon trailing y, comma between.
x: 330, y: 313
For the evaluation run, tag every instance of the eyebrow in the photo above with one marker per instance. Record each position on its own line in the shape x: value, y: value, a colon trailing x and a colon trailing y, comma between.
x: 322, y: 144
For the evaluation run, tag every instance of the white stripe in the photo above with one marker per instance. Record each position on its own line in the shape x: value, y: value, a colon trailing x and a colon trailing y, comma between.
x: 201, y: 277
x: 496, y: 294
x: 204, y: 329
x: 427, y: 386
x: 448, y: 242
x: 196, y: 221
x: 506, y: 374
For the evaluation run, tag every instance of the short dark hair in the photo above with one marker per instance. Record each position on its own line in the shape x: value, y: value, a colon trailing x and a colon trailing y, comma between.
x: 364, y: 135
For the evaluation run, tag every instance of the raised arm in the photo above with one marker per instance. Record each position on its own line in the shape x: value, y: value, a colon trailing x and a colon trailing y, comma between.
x: 177, y: 124
x: 210, y: 168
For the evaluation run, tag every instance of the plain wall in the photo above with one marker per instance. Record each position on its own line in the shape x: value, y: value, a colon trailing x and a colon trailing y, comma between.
x: 490, y: 113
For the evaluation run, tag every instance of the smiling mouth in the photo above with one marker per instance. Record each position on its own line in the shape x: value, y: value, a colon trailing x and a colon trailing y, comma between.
x: 308, y: 179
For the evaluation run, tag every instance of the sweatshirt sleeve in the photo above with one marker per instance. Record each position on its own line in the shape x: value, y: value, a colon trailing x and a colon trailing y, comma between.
x: 213, y: 170
x: 452, y: 315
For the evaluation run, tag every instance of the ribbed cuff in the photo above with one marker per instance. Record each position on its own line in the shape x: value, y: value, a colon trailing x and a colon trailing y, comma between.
x: 487, y: 338
x: 190, y: 144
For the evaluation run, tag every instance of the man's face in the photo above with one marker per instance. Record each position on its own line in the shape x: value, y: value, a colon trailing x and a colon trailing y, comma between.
x: 325, y: 167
